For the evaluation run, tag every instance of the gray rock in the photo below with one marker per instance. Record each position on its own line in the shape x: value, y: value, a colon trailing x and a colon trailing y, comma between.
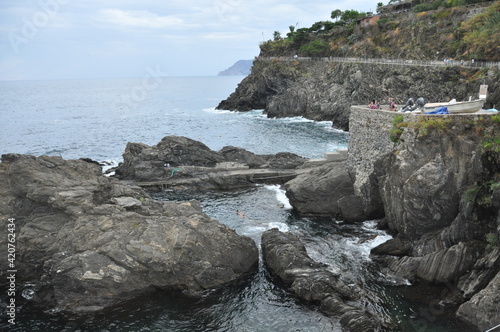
x: 143, y: 163
x: 127, y: 202
x: 483, y: 309
x: 285, y: 160
x: 242, y: 156
x: 421, y: 193
x: 326, y: 191
x: 393, y: 247
x: 89, y: 241
x: 286, y: 257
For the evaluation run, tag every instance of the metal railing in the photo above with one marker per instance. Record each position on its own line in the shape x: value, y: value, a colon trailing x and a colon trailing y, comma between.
x: 395, y: 62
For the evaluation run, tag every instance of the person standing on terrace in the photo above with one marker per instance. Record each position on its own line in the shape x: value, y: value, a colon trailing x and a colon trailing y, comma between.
x: 392, y: 104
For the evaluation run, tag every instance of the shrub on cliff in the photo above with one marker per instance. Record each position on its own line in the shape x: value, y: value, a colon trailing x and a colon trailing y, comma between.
x: 443, y: 29
x: 482, y: 33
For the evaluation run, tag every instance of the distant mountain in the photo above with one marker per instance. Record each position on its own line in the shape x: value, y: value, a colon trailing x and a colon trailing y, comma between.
x: 241, y: 67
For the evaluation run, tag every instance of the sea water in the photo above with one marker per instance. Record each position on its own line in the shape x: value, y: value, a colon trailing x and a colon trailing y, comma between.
x: 96, y: 118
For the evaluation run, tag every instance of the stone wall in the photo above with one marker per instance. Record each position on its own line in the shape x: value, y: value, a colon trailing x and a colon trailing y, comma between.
x: 368, y: 142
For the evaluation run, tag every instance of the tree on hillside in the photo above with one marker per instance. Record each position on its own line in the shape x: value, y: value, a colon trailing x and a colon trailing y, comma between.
x: 350, y: 15
x: 277, y: 35
x: 336, y: 14
x: 380, y: 5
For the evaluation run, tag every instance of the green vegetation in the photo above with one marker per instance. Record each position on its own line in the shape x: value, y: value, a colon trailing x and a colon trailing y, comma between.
x: 439, y: 125
x: 437, y: 29
x: 482, y: 33
x: 314, y: 48
x: 470, y: 195
x: 482, y: 193
x: 491, y: 239
x: 398, y: 126
x: 492, y: 145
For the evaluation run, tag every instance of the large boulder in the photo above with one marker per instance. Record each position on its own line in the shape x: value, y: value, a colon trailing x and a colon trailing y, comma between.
x: 422, y: 191
x: 87, y: 241
x: 286, y: 258
x: 326, y: 191
x: 143, y: 162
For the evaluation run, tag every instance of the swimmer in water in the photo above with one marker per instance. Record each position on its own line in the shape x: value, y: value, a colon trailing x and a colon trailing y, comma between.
x: 241, y: 214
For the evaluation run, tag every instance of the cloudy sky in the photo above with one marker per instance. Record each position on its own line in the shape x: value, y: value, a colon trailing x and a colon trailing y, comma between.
x: 66, y: 39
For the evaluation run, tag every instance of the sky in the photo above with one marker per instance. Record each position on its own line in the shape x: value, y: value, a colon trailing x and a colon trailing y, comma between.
x: 83, y: 39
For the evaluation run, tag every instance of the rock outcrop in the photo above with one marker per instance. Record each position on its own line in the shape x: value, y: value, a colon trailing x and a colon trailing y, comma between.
x: 286, y: 257
x: 86, y: 241
x: 436, y: 192
x: 326, y: 191
x: 437, y: 189
x: 189, y: 165
x: 484, y: 307
x: 326, y: 90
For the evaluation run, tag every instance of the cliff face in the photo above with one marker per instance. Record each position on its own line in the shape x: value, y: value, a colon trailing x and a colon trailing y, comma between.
x: 320, y: 90
x: 438, y: 187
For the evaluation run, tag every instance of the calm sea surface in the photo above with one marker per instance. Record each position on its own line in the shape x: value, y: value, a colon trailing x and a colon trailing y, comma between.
x: 96, y: 119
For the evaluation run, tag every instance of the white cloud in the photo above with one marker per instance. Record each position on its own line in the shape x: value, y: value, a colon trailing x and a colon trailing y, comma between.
x: 118, y: 38
x: 140, y: 18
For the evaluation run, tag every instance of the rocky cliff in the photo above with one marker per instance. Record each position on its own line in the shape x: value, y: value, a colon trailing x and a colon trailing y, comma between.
x: 321, y: 90
x: 84, y: 241
x: 437, y: 186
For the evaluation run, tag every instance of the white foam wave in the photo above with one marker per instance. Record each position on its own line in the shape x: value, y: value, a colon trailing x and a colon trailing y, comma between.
x: 279, y: 225
x: 216, y: 111
x: 108, y: 164
x: 296, y: 119
x: 280, y: 196
x: 373, y: 238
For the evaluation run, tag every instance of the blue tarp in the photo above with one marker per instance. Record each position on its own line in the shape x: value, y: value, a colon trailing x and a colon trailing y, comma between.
x: 441, y: 110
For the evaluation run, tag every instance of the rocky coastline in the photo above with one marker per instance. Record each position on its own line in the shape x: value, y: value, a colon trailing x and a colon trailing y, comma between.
x: 87, y: 241
x: 90, y: 241
x: 435, y: 190
x: 325, y: 91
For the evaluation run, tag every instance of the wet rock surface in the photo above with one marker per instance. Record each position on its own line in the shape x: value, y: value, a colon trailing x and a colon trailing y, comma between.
x: 286, y: 258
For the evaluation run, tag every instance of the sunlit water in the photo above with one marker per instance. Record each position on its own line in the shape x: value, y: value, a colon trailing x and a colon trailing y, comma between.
x: 90, y: 119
